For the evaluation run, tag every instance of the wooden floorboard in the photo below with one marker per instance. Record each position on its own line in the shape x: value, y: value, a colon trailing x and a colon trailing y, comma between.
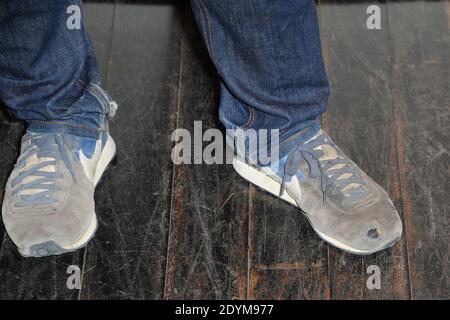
x: 10, y: 135
x: 207, y: 255
x: 421, y: 80
x: 361, y: 121
x: 99, y: 18
x: 287, y: 259
x: 127, y: 258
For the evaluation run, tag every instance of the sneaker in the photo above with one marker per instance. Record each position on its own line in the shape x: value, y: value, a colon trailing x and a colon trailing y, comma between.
x: 343, y: 204
x: 48, y: 208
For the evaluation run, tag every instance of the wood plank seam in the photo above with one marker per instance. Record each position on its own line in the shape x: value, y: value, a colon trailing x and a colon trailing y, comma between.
x: 108, y: 74
x: 168, y: 281
x: 400, y: 146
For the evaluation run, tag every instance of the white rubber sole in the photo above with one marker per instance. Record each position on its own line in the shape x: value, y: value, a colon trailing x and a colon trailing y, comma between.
x: 52, y: 248
x: 272, y: 186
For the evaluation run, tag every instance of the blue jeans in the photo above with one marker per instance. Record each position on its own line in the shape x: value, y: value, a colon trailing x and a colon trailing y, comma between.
x: 267, y: 53
x: 48, y: 73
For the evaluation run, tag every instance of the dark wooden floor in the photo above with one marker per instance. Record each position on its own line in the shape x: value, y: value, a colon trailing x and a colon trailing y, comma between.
x: 199, y: 231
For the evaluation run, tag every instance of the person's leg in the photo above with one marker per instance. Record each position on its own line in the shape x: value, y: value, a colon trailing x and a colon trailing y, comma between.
x: 48, y: 70
x: 268, y: 56
x: 49, y: 78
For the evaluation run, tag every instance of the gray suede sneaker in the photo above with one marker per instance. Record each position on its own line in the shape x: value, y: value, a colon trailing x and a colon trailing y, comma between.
x: 48, y: 208
x: 343, y: 204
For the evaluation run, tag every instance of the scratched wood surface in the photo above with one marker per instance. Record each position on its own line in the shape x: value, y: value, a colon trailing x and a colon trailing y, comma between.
x: 361, y: 120
x: 128, y: 256
x: 287, y: 259
x: 200, y: 231
x: 421, y: 82
x: 10, y: 134
x: 207, y: 255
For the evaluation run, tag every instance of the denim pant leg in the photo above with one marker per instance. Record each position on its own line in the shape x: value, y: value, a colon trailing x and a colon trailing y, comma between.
x: 48, y: 70
x: 268, y: 55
